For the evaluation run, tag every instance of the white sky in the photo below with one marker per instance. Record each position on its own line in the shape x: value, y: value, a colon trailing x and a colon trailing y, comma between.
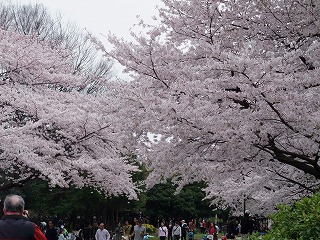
x: 101, y: 16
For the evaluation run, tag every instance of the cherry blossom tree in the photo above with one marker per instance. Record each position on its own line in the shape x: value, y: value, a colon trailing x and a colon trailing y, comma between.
x: 231, y: 90
x: 50, y: 130
x: 35, y: 19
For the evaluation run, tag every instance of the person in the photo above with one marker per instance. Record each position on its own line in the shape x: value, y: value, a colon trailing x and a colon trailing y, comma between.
x: 61, y: 235
x: 190, y: 230
x: 162, y: 231
x: 126, y: 230
x: 191, y: 226
x: 231, y: 231
x: 170, y: 226
x: 64, y: 231
x: 52, y: 233
x: 118, y: 232
x: 43, y: 227
x: 95, y: 227
x: 246, y: 225
x: 204, y: 226
x: 200, y: 224
x: 211, y: 229
x: 102, y: 233
x: 139, y: 231
x: 15, y: 223
x: 176, y: 231
x: 184, y: 230
x: 135, y: 223
x: 217, y: 228
x: 85, y: 233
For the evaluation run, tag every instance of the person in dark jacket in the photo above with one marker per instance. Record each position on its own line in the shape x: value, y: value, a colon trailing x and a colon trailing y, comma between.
x: 15, y: 223
x: 86, y: 233
x: 246, y: 225
x: 52, y: 232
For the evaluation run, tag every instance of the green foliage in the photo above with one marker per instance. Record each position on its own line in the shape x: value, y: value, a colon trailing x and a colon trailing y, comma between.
x: 163, y: 203
x: 297, y: 222
x: 150, y: 228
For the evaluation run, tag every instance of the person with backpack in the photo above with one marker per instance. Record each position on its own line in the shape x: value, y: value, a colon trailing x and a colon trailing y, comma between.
x: 184, y: 230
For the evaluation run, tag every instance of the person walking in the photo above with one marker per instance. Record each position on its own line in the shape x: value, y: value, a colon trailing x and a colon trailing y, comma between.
x: 102, y: 233
x: 162, y: 231
x: 139, y: 231
x: 15, y: 223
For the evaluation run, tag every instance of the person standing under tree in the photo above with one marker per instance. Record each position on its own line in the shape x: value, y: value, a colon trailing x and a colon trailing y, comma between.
x: 184, y: 230
x: 135, y: 223
x: 162, y: 231
x: 139, y: 231
x: 170, y: 226
x: 52, y: 233
x: 118, y: 232
x: 176, y: 231
x: 126, y: 230
x: 86, y: 232
x: 95, y: 227
x: 15, y: 223
x: 102, y: 233
x: 246, y: 225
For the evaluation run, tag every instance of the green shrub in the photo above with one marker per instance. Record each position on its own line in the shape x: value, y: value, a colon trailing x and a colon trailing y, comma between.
x: 297, y: 222
x: 150, y: 228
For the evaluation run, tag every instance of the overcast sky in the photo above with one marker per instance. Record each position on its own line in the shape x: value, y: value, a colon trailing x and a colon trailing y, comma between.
x: 101, y: 16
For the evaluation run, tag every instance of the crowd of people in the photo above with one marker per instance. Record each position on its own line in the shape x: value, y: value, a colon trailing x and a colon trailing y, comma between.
x: 15, y: 224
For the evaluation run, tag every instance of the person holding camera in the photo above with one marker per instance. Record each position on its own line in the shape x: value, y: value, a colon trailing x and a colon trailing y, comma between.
x: 15, y: 223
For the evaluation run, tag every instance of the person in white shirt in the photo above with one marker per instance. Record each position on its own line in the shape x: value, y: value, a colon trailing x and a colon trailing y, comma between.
x: 176, y: 231
x: 102, y: 233
x: 162, y: 231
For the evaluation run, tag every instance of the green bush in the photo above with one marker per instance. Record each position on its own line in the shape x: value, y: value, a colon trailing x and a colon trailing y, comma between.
x: 297, y: 222
x: 150, y: 228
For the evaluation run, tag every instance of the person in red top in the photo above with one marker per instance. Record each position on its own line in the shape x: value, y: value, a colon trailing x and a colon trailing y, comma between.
x: 15, y: 223
x: 211, y: 229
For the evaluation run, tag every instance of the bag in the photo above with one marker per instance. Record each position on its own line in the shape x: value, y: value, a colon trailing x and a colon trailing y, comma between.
x: 209, y: 237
